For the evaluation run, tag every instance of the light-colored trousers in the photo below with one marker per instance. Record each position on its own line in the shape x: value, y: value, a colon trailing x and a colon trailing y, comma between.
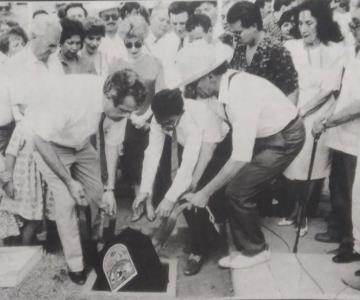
x: 84, y: 166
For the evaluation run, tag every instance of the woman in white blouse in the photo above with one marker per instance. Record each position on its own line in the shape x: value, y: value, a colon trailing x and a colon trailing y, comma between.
x: 319, y: 60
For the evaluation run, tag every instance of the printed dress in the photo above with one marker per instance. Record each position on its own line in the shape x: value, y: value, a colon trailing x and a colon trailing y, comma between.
x: 28, y: 183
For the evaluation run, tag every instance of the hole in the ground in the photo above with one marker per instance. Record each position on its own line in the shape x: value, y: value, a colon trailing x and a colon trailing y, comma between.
x: 92, y: 291
x: 162, y: 289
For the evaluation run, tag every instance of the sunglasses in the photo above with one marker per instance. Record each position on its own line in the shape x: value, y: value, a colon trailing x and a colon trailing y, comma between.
x: 114, y: 17
x: 354, y: 24
x: 4, y: 8
x: 136, y: 44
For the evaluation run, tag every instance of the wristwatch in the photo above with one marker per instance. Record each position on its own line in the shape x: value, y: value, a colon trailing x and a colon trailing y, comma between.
x: 109, y: 189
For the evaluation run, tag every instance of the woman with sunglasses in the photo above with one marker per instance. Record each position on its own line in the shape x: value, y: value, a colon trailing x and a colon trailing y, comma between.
x: 134, y: 30
x: 318, y: 59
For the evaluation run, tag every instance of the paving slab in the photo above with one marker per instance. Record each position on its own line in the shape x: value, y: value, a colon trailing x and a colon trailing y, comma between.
x: 310, y: 274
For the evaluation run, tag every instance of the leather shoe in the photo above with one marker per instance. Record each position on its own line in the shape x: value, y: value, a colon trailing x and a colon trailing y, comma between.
x: 346, y: 257
x: 193, y: 264
x: 78, y: 277
x: 325, y: 237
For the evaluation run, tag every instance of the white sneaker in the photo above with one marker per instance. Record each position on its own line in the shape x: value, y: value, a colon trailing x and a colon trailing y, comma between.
x: 241, y: 261
x: 285, y: 222
x: 225, y: 261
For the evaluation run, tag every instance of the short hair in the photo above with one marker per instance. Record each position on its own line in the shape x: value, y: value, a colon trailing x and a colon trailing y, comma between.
x: 198, y: 20
x: 93, y: 26
x: 134, y: 27
x: 74, y: 5
x: 125, y: 83
x: 39, y: 26
x: 167, y: 103
x: 71, y: 28
x: 279, y: 3
x: 195, y: 4
x: 178, y: 7
x: 128, y: 7
x: 261, y: 3
x: 39, y: 12
x: 326, y: 28
x: 4, y: 39
x: 246, y: 12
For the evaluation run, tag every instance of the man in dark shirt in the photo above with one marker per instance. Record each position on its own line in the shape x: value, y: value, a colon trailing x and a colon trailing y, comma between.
x: 257, y: 54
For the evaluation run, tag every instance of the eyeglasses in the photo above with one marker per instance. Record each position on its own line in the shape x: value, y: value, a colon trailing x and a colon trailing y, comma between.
x: 136, y: 44
x: 354, y: 24
x: 114, y: 17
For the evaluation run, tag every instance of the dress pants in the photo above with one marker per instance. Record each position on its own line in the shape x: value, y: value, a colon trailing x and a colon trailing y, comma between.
x: 202, y: 232
x: 84, y: 166
x: 341, y: 183
x: 271, y: 156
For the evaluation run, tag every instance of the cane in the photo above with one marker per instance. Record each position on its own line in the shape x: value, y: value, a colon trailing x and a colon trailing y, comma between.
x: 303, y: 206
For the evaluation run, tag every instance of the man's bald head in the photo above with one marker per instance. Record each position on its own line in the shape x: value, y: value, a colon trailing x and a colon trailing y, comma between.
x: 44, y: 36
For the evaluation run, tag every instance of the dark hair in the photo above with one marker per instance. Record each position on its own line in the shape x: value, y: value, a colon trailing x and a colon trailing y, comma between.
x: 290, y: 16
x: 195, y: 4
x: 178, y: 7
x: 71, y: 28
x: 128, y: 7
x: 93, y: 26
x: 198, y: 20
x: 261, y: 3
x: 167, y: 103
x: 39, y: 12
x: 4, y: 39
x: 246, y: 12
x: 327, y: 29
x: 125, y: 83
x: 74, y: 5
x: 279, y: 3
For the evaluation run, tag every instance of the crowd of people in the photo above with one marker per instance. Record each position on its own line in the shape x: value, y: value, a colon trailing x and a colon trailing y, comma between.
x: 220, y: 106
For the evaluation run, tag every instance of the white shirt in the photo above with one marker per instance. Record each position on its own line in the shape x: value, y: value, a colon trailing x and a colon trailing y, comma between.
x: 345, y: 137
x: 166, y: 50
x: 255, y: 108
x: 73, y: 120
x: 31, y: 81
x: 191, y: 132
x: 112, y: 48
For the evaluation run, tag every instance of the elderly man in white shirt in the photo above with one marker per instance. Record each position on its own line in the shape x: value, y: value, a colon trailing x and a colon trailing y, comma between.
x: 70, y: 165
x: 34, y: 72
x: 267, y: 134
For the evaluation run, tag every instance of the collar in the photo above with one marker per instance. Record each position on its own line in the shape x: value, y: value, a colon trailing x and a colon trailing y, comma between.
x: 224, y: 86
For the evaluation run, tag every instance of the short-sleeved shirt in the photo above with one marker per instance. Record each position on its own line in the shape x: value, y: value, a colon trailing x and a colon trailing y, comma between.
x: 255, y: 109
x: 72, y: 121
x: 271, y: 61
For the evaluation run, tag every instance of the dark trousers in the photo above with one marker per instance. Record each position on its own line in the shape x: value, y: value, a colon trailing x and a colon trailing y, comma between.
x: 202, y: 232
x: 341, y: 182
x: 271, y: 156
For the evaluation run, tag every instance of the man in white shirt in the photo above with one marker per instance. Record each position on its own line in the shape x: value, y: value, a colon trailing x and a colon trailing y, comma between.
x: 70, y: 165
x: 36, y: 60
x: 169, y: 45
x: 267, y: 134
x: 112, y: 45
x: 159, y: 26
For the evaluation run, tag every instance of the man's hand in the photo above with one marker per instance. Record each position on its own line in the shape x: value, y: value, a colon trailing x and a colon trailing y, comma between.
x: 199, y: 199
x: 165, y: 207
x: 9, y: 189
x: 139, y: 200
x: 77, y: 192
x: 318, y: 128
x: 108, y: 203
